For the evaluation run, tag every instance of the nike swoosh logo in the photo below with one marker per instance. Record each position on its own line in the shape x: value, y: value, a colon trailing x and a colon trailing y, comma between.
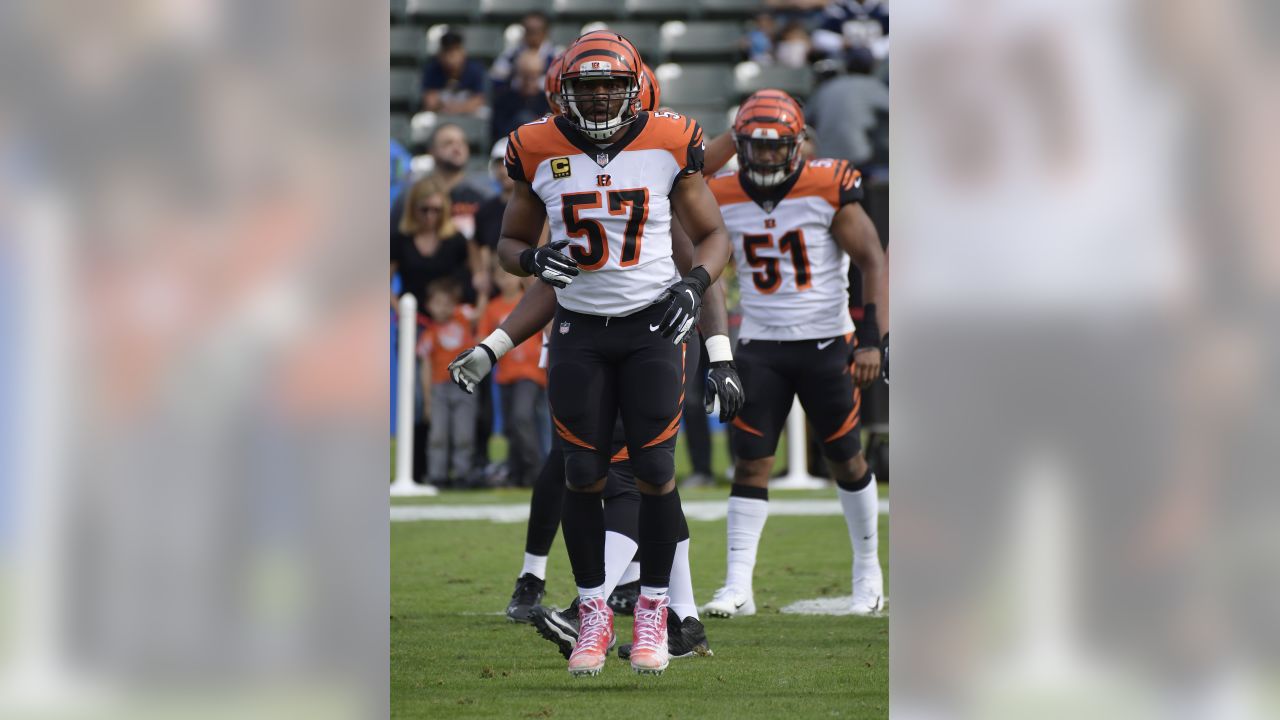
x: 691, y: 295
x: 654, y: 327
x: 738, y: 605
x: 824, y: 345
x: 730, y: 382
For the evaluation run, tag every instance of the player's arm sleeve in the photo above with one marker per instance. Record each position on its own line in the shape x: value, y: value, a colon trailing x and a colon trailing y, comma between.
x: 848, y: 184
x: 513, y: 162
x: 694, y: 151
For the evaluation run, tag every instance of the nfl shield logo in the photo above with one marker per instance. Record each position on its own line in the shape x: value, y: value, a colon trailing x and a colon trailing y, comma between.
x: 564, y: 328
x: 602, y: 159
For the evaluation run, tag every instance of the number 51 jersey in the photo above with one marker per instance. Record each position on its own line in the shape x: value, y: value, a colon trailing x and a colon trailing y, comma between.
x: 793, y: 277
x: 611, y: 202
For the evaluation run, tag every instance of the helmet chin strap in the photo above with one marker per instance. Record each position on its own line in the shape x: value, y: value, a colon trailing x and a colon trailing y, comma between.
x: 598, y: 131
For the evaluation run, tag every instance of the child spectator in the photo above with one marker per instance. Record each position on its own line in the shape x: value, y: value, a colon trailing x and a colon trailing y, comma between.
x: 521, y: 386
x: 450, y: 410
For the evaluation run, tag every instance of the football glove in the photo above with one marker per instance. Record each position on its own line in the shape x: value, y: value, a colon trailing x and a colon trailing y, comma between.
x: 723, y: 384
x: 684, y: 300
x: 472, y: 364
x: 550, y: 265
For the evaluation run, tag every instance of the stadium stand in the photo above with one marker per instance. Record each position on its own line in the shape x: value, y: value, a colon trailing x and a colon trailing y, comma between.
x: 749, y: 77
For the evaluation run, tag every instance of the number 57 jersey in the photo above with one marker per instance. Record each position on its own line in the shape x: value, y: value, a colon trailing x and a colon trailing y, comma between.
x: 793, y: 277
x: 612, y: 203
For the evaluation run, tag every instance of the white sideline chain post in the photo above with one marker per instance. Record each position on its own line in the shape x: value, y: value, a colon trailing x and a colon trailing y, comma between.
x: 404, y: 485
x: 797, y: 477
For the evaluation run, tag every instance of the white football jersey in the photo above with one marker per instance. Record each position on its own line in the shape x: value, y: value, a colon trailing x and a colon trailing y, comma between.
x: 612, y: 204
x: 794, y: 278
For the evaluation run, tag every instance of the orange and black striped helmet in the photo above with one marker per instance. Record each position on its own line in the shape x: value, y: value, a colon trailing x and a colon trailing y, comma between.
x: 650, y: 91
x: 600, y: 56
x: 768, y: 131
x: 551, y: 85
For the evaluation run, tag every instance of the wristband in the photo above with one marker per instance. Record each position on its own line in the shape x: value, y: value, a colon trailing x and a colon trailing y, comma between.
x: 718, y: 349
x: 497, y: 344
x: 699, y: 278
x: 868, y: 330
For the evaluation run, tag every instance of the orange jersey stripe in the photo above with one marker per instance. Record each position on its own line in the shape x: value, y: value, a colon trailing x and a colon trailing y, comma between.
x: 671, y: 430
x: 533, y: 143
x: 569, y: 436
x: 742, y: 425
x: 849, y: 422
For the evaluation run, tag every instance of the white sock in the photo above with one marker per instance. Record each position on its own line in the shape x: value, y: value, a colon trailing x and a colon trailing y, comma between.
x: 589, y: 593
x: 746, y: 524
x: 535, y: 565
x: 632, y: 574
x: 653, y: 592
x: 682, y: 600
x: 618, y: 551
x: 862, y: 515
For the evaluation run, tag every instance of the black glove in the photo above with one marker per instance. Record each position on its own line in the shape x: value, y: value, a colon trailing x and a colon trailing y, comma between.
x: 684, y: 300
x: 550, y: 265
x: 723, y: 383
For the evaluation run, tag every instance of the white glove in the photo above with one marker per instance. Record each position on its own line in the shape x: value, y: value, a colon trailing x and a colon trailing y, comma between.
x: 473, y: 364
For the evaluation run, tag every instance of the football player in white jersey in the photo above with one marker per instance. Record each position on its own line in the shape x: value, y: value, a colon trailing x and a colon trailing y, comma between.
x: 608, y: 176
x: 686, y: 634
x: 795, y: 227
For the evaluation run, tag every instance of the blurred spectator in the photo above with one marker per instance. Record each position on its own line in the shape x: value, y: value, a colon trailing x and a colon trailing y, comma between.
x: 793, y: 46
x: 758, y: 44
x: 848, y: 110
x: 426, y: 247
x: 450, y: 410
x: 525, y: 100
x: 535, y: 38
x: 852, y: 24
x: 449, y: 149
x: 489, y: 216
x: 521, y: 386
x: 400, y: 161
x: 452, y: 82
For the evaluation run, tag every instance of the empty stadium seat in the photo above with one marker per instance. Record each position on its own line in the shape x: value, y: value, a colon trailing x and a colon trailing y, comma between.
x: 599, y: 9
x: 400, y: 129
x: 700, y: 40
x: 564, y: 33
x: 731, y: 8
x: 712, y: 118
x: 644, y: 36
x: 406, y: 89
x: 511, y: 9
x: 702, y: 85
x: 749, y: 77
x: 407, y: 45
x: 429, y: 11
x: 663, y: 9
x: 399, y: 11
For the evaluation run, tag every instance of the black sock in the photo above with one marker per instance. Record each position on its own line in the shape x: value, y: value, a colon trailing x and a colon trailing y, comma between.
x: 857, y: 484
x: 545, y: 505
x: 661, y: 518
x: 583, y: 522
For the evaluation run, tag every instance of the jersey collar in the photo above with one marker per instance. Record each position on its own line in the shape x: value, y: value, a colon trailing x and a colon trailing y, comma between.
x: 768, y: 198
x: 596, y: 152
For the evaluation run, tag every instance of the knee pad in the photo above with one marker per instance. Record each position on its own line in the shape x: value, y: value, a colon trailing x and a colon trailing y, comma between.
x: 583, y: 467
x: 655, y: 465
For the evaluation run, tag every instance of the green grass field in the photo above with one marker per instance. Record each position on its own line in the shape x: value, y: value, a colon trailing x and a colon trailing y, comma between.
x: 453, y: 654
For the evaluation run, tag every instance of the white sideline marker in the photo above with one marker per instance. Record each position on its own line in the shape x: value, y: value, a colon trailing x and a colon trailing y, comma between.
x: 693, y: 510
x: 404, y: 485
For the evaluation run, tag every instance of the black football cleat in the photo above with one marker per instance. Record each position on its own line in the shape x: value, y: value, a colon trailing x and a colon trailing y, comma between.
x: 558, y: 626
x: 684, y: 639
x: 527, y: 595
x: 623, y: 598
